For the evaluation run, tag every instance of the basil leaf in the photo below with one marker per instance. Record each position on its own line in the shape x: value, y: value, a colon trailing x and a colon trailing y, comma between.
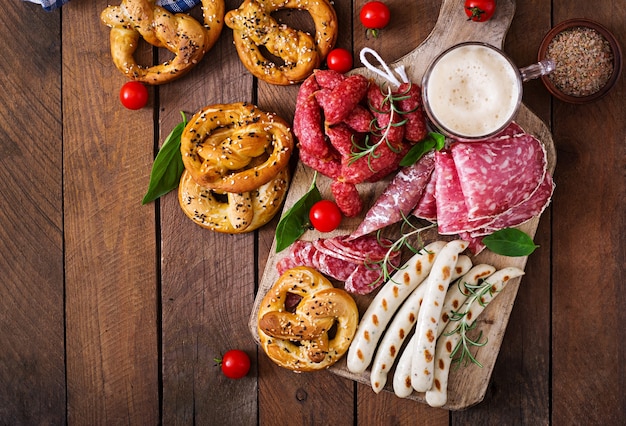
x: 296, y: 220
x: 168, y: 165
x: 510, y: 242
x: 432, y: 140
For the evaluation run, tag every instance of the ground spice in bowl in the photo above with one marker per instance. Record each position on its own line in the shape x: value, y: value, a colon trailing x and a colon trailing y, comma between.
x: 587, y: 57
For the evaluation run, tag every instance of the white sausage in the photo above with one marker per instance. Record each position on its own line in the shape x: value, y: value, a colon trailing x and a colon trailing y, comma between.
x: 402, y: 376
x: 429, y: 314
x: 437, y: 396
x: 385, y: 304
x: 402, y: 325
x: 457, y: 294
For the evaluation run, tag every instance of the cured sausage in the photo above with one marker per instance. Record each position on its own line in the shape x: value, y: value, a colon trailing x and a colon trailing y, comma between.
x: 307, y: 120
x: 411, y: 104
x: 399, y: 198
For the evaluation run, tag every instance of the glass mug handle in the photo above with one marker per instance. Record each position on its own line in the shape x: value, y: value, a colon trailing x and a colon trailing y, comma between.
x: 537, y: 70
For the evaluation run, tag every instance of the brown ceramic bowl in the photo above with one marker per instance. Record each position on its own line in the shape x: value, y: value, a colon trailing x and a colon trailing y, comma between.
x: 617, y: 60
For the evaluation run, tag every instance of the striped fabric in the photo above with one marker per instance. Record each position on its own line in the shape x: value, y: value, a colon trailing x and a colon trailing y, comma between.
x: 171, y: 5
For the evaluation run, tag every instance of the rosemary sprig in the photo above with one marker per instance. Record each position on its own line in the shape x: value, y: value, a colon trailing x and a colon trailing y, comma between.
x: 408, y: 231
x: 368, y: 149
x: 462, y: 354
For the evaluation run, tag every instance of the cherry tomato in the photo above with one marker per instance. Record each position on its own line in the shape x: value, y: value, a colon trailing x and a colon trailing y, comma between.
x: 339, y: 60
x: 235, y: 364
x: 375, y: 15
x: 134, y: 95
x: 325, y: 216
x: 480, y: 10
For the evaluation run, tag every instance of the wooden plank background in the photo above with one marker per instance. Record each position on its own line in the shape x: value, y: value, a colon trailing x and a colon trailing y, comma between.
x: 112, y: 312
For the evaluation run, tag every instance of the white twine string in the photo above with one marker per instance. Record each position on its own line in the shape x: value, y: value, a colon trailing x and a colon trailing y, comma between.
x: 387, y: 74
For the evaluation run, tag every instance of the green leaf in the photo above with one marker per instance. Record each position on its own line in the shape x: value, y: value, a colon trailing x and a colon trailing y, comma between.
x: 168, y: 165
x: 432, y: 140
x: 510, y: 242
x: 296, y: 220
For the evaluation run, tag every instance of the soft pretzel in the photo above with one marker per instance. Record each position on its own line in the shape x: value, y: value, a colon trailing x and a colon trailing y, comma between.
x: 230, y: 212
x: 235, y: 147
x: 253, y: 26
x: 179, y: 33
x: 318, y: 332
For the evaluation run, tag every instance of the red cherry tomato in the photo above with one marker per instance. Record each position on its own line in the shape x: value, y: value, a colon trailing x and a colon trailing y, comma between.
x: 325, y: 216
x: 134, y: 95
x: 375, y: 15
x: 480, y: 10
x: 339, y: 60
x: 235, y: 364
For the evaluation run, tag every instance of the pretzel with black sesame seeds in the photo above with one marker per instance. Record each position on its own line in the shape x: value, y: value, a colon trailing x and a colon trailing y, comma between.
x: 317, y: 332
x: 253, y: 26
x: 179, y: 33
x: 235, y: 147
x: 232, y: 213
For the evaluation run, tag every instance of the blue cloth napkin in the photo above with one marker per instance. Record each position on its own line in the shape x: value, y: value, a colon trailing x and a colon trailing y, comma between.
x: 171, y: 5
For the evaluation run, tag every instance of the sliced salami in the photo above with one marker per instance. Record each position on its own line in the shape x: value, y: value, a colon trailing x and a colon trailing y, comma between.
x: 367, y: 248
x: 365, y: 279
x: 399, y: 198
x: 427, y: 205
x: 452, y: 214
x: 495, y: 177
x: 333, y: 266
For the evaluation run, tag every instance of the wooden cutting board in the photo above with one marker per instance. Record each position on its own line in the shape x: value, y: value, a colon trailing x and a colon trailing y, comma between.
x: 467, y: 385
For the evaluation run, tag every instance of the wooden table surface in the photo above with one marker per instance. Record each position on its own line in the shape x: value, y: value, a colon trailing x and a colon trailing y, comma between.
x: 112, y: 312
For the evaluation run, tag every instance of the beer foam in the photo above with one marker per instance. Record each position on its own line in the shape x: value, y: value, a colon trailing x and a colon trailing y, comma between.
x: 473, y: 90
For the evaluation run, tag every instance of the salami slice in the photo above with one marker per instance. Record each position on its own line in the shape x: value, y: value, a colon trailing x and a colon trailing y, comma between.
x: 452, y: 214
x: 399, y: 198
x: 367, y: 248
x: 523, y: 212
x: 333, y: 267
x: 364, y: 279
x: 427, y: 206
x: 495, y: 177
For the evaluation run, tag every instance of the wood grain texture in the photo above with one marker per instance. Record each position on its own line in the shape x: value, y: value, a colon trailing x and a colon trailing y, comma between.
x: 110, y: 243
x: 207, y: 278
x: 112, y: 312
x: 588, y: 264
x: 32, y: 365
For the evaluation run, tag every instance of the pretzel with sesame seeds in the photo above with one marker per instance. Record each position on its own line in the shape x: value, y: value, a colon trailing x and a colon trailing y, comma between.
x: 235, y: 147
x: 232, y: 213
x: 317, y: 332
x: 179, y: 33
x: 253, y: 27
